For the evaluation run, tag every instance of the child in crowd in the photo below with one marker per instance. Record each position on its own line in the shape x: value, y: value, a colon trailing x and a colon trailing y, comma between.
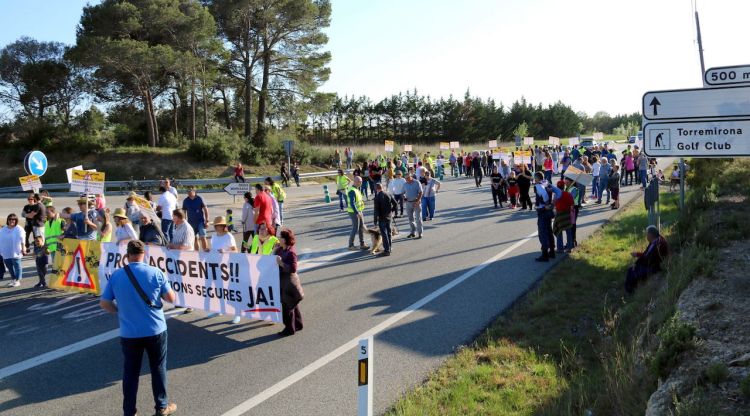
x: 230, y: 221
x: 42, y: 260
x: 513, y: 189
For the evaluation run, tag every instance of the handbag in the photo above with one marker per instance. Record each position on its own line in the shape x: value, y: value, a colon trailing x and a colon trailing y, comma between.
x: 295, y: 288
x: 139, y: 289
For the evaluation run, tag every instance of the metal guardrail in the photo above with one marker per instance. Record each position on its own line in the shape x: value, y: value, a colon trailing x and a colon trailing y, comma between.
x: 153, y: 183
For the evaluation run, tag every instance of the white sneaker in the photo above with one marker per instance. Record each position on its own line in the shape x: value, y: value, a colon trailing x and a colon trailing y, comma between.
x: 236, y: 320
x: 14, y: 283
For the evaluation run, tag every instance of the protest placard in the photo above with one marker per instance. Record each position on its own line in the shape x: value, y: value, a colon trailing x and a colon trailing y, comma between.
x: 444, y: 146
x: 455, y: 145
x: 578, y: 175
x: 145, y: 207
x: 77, y: 263
x: 554, y: 141
x: 573, y: 141
x: 528, y: 141
x: 87, y: 182
x: 30, y: 183
x: 522, y: 156
x: 389, y: 145
x: 407, y: 148
x: 598, y: 135
x: 492, y: 144
x: 235, y: 284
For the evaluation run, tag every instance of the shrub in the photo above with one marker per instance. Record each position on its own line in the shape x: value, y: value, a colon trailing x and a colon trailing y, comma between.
x: 745, y: 386
x: 717, y: 372
x: 215, y: 147
x: 676, y: 337
x: 252, y: 155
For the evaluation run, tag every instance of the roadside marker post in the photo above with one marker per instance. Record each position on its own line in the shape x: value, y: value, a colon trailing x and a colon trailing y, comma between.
x: 364, y: 377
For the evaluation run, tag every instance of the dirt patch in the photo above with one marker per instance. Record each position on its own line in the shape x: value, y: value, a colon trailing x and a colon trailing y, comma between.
x: 709, y: 376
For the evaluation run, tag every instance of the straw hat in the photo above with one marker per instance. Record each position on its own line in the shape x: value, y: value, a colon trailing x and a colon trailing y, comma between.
x: 120, y: 213
x: 220, y: 221
x: 132, y: 195
x: 83, y: 201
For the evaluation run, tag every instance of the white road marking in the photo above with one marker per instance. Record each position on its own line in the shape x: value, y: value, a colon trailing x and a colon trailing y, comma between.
x: 66, y: 350
x: 322, y: 361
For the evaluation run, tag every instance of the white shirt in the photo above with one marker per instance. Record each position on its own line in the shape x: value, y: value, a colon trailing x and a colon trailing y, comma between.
x: 168, y: 203
x: 396, y: 186
x: 419, y: 172
x: 173, y: 191
x: 222, y: 243
x: 125, y: 232
x: 275, y: 218
x: 595, y: 168
x: 11, y: 242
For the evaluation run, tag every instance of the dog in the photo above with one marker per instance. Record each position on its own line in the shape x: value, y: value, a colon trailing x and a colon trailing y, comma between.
x: 376, y: 239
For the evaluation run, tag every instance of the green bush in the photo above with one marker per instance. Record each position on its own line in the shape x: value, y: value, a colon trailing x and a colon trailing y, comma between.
x: 252, y: 155
x: 215, y: 147
x: 745, y: 386
x: 676, y: 337
x: 717, y: 372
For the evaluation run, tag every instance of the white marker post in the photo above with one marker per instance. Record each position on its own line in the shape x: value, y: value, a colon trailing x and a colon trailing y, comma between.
x: 364, y: 377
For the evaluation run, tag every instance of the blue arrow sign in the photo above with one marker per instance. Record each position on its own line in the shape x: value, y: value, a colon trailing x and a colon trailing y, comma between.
x: 35, y: 163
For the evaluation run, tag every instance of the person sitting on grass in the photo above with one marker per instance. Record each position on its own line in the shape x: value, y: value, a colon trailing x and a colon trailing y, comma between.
x: 647, y: 262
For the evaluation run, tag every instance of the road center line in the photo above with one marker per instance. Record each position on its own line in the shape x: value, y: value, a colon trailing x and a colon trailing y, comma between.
x: 322, y: 361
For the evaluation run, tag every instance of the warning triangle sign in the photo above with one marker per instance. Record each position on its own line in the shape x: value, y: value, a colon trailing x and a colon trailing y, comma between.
x: 77, y: 274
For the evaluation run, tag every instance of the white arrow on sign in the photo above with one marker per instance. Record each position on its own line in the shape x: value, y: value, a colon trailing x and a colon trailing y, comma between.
x: 718, y: 138
x: 237, y: 188
x: 38, y: 163
x: 730, y: 102
x: 728, y: 75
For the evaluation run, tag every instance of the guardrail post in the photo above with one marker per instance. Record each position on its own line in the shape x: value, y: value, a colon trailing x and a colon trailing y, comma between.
x: 364, y: 377
x: 326, y: 195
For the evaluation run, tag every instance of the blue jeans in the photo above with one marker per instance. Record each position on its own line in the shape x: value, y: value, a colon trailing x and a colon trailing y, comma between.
x: 544, y: 228
x: 167, y: 227
x: 569, y: 239
x: 14, y: 267
x: 548, y: 175
x: 643, y: 177
x: 428, y: 207
x: 595, y: 187
x: 132, y: 351
x: 281, y: 211
x: 365, y: 189
x: 341, y: 195
x: 385, y: 232
x: 603, y: 187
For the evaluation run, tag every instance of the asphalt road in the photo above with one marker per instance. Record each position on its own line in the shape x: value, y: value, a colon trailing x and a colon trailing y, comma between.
x: 430, y: 297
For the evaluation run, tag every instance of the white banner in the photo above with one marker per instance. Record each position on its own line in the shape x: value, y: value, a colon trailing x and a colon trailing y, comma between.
x: 573, y: 141
x: 407, y: 148
x: 389, y: 145
x: 227, y: 283
x: 528, y: 141
x: 492, y: 144
x: 554, y: 141
x: 455, y: 145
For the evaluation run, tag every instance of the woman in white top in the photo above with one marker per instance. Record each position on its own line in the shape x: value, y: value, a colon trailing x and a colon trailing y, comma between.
x: 124, y: 231
x: 12, y: 248
x: 396, y: 188
x: 223, y: 242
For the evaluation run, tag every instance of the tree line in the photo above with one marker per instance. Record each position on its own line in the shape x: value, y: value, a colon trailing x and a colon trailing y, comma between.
x: 168, y: 72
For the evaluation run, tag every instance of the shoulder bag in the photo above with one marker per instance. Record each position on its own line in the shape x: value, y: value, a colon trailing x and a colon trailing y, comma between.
x: 138, y: 289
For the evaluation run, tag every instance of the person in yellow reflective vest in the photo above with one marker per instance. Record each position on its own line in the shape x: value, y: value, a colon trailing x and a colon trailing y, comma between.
x: 53, y: 231
x: 263, y: 242
x: 279, y: 194
x: 342, y: 182
x: 355, y: 206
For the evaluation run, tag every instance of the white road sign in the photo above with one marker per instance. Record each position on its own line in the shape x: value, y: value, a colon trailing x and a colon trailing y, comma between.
x: 728, y: 75
x: 700, y: 103
x: 718, y: 138
x: 237, y: 188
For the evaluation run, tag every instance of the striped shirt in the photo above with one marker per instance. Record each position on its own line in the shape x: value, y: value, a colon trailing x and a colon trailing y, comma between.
x: 183, y: 235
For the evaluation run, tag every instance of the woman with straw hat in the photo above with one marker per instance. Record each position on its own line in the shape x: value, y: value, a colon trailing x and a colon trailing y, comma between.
x: 124, y: 232
x: 223, y: 242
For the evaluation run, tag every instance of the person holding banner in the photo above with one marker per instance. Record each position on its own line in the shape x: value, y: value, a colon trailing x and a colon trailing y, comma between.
x: 291, y: 290
x: 166, y: 205
x: 140, y: 291
x: 83, y: 221
x: 222, y: 242
x: 124, y: 231
x: 248, y: 227
x: 183, y: 238
x: 263, y: 243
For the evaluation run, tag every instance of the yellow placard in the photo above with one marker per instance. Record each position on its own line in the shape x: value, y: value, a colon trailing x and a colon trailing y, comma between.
x: 84, y: 175
x: 389, y: 145
x: 87, y: 182
x: 444, y: 145
x: 30, y: 183
x: 78, y: 269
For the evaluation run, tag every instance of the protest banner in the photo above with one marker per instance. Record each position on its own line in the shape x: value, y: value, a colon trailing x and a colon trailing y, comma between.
x: 528, y: 141
x: 77, y: 265
x: 235, y: 284
x: 598, y: 136
x: 69, y: 172
x: 30, y: 183
x: 87, y: 182
x: 554, y: 141
x: 455, y: 145
x: 407, y: 148
x: 389, y: 145
x: 573, y: 141
x: 444, y: 145
x: 492, y: 144
x: 145, y: 207
x: 578, y: 175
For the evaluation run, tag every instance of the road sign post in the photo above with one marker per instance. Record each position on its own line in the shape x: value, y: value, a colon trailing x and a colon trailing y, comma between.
x: 364, y: 377
x: 288, y: 148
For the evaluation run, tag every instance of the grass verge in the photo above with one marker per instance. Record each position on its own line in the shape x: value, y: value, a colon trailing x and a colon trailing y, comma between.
x: 576, y: 344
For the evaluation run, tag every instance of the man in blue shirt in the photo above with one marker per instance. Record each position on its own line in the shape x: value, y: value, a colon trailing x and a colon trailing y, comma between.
x: 142, y: 326
x: 196, y: 216
x: 85, y: 225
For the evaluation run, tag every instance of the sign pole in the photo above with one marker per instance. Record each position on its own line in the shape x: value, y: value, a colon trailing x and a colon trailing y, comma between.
x: 364, y: 377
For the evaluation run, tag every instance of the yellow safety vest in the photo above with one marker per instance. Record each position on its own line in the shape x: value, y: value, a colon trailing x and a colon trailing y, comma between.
x: 279, y: 193
x: 265, y: 248
x: 341, y: 182
x: 357, y: 200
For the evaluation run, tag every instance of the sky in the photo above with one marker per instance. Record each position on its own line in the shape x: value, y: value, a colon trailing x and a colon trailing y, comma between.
x: 594, y: 55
